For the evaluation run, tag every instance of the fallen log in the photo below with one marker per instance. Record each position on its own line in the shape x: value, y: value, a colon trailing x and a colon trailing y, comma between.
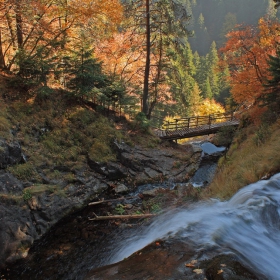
x: 110, y: 200
x: 139, y: 216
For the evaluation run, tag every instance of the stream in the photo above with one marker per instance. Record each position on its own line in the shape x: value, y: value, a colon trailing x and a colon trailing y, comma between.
x: 247, y: 226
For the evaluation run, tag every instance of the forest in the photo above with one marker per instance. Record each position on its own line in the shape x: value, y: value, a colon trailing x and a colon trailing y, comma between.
x: 151, y: 58
x: 84, y: 88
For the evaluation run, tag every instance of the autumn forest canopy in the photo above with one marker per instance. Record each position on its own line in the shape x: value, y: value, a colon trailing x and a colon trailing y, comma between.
x: 157, y: 58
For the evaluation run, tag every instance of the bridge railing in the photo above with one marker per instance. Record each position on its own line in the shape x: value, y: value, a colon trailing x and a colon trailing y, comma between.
x: 196, y: 121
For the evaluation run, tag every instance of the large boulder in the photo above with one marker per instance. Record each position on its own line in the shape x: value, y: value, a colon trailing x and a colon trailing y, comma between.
x: 137, y: 165
x: 155, y: 165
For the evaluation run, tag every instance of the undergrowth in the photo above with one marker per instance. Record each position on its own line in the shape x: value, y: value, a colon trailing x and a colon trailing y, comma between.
x: 59, y: 133
x: 5, y: 124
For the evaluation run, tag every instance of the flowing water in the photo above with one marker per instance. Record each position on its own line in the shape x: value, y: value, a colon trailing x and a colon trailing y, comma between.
x: 247, y: 225
x: 206, y: 171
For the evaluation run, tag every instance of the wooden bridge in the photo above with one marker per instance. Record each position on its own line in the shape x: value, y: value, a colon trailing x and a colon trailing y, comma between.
x: 195, y: 126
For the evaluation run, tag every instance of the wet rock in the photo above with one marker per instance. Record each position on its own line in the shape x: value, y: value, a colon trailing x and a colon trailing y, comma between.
x: 155, y: 165
x: 17, y: 232
x: 150, y: 165
x: 152, y: 173
x: 10, y: 153
x: 9, y: 184
x: 112, y: 170
x: 224, y: 267
x: 121, y: 188
x: 149, y: 193
x: 167, y: 260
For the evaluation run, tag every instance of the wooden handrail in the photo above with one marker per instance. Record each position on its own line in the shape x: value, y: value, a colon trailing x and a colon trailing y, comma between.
x: 195, y: 126
x: 195, y: 121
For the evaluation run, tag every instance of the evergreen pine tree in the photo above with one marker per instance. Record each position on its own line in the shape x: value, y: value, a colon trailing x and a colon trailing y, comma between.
x: 86, y: 74
x: 271, y: 98
x: 201, y: 72
x: 212, y: 63
x: 189, y: 59
x: 207, y: 91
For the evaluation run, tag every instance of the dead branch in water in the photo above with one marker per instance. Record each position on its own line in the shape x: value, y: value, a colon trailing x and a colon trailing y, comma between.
x: 139, y: 216
x: 110, y: 200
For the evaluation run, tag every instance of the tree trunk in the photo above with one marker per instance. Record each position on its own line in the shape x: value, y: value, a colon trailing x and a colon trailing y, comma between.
x: 145, y: 102
x: 157, y: 79
x: 19, y: 24
x: 2, y: 59
x: 10, y: 26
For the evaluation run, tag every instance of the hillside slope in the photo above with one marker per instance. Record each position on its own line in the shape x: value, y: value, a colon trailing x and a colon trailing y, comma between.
x: 253, y: 155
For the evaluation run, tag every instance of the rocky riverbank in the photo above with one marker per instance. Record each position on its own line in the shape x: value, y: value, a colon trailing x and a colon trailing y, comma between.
x: 29, y: 210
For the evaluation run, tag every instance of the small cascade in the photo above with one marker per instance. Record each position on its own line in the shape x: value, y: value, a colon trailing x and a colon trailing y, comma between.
x: 210, y: 155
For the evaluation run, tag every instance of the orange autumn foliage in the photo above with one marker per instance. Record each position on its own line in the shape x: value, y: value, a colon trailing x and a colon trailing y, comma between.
x: 246, y: 52
x: 123, y: 56
x: 29, y: 25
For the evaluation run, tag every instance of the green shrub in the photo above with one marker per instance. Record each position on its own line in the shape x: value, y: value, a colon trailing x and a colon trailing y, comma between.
x: 224, y: 136
x: 120, y: 209
x: 51, y: 145
x: 261, y: 135
x: 70, y: 177
x: 83, y: 116
x: 155, y: 208
x: 141, y: 122
x: 26, y: 195
x: 43, y: 93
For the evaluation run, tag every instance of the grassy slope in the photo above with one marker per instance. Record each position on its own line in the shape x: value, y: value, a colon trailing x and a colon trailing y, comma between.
x: 253, y: 155
x: 57, y: 131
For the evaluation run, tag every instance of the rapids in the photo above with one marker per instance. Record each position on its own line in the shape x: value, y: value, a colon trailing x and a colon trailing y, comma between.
x: 247, y: 225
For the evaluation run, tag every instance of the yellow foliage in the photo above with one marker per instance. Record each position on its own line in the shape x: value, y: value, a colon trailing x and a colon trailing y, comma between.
x: 208, y: 107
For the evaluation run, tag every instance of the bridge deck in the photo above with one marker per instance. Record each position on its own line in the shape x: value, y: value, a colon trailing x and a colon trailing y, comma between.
x: 181, y: 131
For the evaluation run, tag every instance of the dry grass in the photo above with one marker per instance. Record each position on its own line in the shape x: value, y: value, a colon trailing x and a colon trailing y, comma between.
x: 57, y: 133
x: 5, y: 124
x: 11, y: 199
x: 24, y: 171
x: 247, y: 162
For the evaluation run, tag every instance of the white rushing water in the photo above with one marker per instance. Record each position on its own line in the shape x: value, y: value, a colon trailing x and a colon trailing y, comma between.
x: 248, y: 225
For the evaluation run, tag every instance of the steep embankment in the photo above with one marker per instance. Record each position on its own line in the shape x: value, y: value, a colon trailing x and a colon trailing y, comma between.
x: 253, y: 155
x: 57, y: 154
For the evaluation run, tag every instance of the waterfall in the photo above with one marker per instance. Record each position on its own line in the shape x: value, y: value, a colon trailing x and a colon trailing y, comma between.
x: 247, y: 225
